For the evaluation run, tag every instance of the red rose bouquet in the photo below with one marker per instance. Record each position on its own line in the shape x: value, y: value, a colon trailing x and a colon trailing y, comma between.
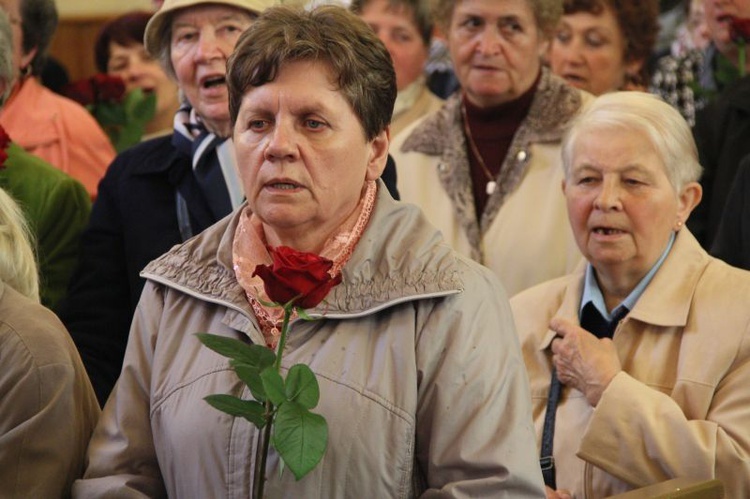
x: 123, y: 116
x: 281, y: 407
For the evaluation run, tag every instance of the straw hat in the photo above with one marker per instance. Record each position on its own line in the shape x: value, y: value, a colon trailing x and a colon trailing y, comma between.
x: 156, y: 24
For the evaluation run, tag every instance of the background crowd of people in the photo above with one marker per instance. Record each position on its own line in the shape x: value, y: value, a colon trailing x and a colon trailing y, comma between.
x: 536, y: 212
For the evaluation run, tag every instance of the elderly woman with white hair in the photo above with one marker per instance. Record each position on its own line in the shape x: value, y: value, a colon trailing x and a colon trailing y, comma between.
x: 47, y: 406
x: 639, y: 361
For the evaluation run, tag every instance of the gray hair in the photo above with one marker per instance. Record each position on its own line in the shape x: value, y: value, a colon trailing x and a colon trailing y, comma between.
x: 38, y: 24
x: 6, y: 55
x: 17, y: 261
x: 665, y: 128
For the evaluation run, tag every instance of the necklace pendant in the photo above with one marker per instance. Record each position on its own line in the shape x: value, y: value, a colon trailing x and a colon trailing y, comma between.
x: 491, y: 186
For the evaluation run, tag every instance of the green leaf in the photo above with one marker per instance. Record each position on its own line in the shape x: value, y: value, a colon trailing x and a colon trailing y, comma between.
x: 250, y: 375
x: 273, y: 384
x: 249, y: 409
x: 109, y: 114
x: 141, y: 107
x: 302, y: 386
x: 253, y: 355
x: 300, y: 437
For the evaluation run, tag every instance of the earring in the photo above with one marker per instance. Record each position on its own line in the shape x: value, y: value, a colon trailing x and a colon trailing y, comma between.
x: 679, y: 225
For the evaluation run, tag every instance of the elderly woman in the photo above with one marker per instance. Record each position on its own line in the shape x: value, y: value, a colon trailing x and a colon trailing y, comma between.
x: 47, y: 407
x: 485, y: 169
x: 662, y: 392
x: 405, y: 27
x: 603, y: 45
x: 422, y: 382
x: 44, y: 123
x: 119, y: 51
x: 162, y: 191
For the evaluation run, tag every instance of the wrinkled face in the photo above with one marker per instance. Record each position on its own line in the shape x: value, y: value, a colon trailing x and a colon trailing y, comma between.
x: 588, y: 52
x: 496, y: 49
x: 133, y: 64
x: 621, y: 204
x: 719, y: 14
x: 20, y: 60
x: 399, y: 33
x: 203, y: 38
x: 302, y: 155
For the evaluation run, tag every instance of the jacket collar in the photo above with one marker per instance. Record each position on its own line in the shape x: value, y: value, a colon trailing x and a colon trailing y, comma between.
x: 400, y: 257
x: 554, y: 104
x: 666, y: 300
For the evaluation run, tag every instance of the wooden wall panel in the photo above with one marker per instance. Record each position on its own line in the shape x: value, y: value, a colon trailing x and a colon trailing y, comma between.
x: 73, y: 43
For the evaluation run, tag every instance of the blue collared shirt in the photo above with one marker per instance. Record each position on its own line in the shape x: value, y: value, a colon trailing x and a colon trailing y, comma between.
x: 592, y: 292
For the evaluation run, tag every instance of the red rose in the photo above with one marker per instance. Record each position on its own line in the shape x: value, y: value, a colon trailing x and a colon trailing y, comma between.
x: 81, y: 91
x: 299, y: 276
x: 108, y: 88
x: 740, y: 30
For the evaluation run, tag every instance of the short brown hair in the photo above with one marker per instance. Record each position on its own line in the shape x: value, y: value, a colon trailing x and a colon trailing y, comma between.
x: 547, y: 14
x: 638, y: 21
x: 329, y: 34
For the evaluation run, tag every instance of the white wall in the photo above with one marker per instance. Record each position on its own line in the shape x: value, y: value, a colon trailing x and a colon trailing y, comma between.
x: 93, y: 7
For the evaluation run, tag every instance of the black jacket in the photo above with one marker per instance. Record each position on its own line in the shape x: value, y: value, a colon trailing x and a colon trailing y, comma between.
x: 732, y: 242
x: 722, y: 134
x: 134, y: 220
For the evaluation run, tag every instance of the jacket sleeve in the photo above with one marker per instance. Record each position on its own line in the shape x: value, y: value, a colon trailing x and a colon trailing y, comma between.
x: 653, y: 440
x: 121, y: 457
x: 475, y: 436
x: 47, y: 412
x: 66, y: 211
x: 98, y: 308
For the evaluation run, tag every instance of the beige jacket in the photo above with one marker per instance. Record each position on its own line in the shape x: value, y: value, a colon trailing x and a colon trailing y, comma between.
x: 421, y: 378
x: 413, y: 103
x: 47, y: 406
x: 681, y: 406
x: 524, y: 235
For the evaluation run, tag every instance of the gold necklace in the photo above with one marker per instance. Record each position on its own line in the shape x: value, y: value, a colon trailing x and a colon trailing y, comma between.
x: 491, y: 183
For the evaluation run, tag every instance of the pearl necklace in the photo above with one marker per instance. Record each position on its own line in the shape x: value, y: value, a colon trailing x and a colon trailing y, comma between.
x: 491, y: 183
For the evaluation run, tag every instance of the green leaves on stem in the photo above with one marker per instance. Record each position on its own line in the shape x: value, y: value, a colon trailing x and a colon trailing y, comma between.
x: 299, y: 436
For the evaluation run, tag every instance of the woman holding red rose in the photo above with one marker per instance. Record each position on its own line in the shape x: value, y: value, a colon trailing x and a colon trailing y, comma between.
x: 421, y: 379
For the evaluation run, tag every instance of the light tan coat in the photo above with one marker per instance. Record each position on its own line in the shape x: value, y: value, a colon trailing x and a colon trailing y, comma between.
x: 681, y: 405
x: 421, y: 378
x: 47, y: 406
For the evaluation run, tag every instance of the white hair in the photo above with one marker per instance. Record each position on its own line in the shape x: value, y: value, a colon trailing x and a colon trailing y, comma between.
x: 18, y: 267
x: 666, y: 129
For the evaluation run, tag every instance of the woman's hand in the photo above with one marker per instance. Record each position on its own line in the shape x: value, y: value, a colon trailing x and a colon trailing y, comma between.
x: 557, y: 494
x: 582, y: 360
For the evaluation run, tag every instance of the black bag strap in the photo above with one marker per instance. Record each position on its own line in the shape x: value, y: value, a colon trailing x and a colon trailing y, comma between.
x: 546, y: 459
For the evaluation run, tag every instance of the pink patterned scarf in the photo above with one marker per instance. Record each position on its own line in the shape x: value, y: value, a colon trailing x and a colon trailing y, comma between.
x: 249, y: 250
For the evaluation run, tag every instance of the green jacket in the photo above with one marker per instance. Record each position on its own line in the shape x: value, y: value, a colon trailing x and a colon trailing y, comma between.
x: 57, y: 208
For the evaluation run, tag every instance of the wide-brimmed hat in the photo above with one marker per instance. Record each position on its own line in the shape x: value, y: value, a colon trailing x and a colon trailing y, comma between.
x: 156, y: 25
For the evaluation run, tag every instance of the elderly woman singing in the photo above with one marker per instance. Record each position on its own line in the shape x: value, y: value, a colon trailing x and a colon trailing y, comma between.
x: 640, y: 361
x: 421, y: 377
